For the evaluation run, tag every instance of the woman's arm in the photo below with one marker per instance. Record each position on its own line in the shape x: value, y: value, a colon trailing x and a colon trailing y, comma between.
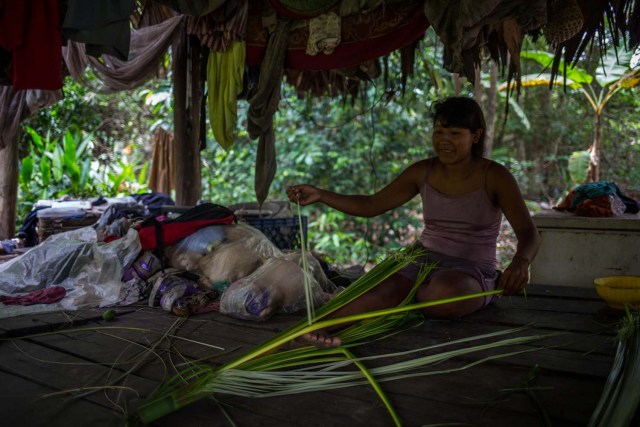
x: 398, y: 192
x: 509, y: 198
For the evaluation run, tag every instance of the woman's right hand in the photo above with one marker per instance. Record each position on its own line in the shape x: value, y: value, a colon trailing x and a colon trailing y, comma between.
x: 303, y: 194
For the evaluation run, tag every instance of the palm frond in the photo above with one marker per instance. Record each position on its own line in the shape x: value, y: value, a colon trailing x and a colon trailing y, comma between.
x: 262, y: 372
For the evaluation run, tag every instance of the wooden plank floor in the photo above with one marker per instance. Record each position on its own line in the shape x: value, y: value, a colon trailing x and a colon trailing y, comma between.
x: 73, y: 368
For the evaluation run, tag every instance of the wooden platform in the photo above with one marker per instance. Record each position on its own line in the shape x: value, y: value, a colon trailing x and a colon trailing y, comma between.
x: 60, y: 379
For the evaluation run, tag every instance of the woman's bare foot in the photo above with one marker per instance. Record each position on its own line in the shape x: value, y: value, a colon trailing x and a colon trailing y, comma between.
x: 321, y: 339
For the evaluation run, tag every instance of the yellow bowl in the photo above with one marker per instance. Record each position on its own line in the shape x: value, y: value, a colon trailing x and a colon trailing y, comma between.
x: 619, y: 291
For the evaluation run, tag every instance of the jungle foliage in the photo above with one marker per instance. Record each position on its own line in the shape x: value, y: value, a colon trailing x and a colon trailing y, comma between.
x: 90, y: 144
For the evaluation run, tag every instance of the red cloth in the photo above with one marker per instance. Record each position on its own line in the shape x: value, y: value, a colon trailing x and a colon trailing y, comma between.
x: 41, y: 296
x: 565, y: 205
x: 364, y: 37
x: 31, y: 32
x: 599, y: 206
x: 174, y: 231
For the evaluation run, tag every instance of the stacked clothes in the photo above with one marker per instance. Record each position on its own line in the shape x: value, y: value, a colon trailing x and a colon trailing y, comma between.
x: 598, y: 199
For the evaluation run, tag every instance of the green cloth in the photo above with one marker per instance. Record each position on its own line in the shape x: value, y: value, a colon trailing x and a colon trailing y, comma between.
x: 224, y: 83
x: 102, y: 25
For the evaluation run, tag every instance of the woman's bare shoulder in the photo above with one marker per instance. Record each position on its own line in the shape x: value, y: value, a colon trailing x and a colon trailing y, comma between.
x: 499, y: 177
x: 497, y: 170
x: 419, y: 167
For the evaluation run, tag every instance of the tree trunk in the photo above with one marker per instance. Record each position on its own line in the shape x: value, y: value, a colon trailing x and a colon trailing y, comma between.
x: 490, y: 116
x: 594, y: 151
x: 187, y: 93
x: 9, y: 165
x: 477, y: 86
x: 457, y: 83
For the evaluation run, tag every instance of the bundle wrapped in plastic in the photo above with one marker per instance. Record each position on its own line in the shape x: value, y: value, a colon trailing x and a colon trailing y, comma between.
x: 243, y: 250
x: 278, y: 285
x: 89, y: 270
x: 186, y: 254
x: 315, y: 270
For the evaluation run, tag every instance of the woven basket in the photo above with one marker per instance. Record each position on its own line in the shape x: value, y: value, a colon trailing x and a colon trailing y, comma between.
x: 283, y: 232
x: 565, y: 21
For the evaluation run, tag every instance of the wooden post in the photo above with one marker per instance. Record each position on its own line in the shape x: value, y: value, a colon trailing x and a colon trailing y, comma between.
x: 187, y: 93
x: 9, y: 165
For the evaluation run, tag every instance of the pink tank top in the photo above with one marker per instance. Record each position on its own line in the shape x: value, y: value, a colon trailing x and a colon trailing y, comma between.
x: 464, y: 226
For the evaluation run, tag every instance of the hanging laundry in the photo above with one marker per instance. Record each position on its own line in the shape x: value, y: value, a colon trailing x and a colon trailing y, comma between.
x: 31, y: 33
x: 102, y: 25
x: 224, y: 84
x: 324, y: 34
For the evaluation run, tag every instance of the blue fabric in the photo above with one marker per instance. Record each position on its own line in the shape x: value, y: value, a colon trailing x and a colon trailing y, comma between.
x: 593, y: 189
x: 603, y: 188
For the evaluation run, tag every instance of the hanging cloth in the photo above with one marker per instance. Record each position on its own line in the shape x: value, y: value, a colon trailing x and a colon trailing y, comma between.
x: 31, y: 32
x: 263, y: 103
x: 161, y: 177
x: 224, y: 83
x: 17, y: 105
x: 220, y: 28
x: 148, y: 46
x: 102, y: 25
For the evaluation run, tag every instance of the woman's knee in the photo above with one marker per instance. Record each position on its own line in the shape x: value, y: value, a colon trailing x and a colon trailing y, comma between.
x: 392, y: 290
x: 449, y: 285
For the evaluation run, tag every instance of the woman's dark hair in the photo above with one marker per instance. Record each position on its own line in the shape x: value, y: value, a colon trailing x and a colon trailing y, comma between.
x: 465, y: 113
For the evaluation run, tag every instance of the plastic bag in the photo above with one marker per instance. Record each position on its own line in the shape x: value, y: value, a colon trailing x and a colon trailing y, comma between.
x: 278, y: 285
x: 617, y: 205
x: 185, y: 254
x: 90, y: 271
x: 242, y: 252
x: 315, y: 270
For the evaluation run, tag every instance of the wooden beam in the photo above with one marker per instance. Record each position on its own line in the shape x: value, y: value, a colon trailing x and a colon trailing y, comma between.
x: 187, y: 90
x: 9, y: 163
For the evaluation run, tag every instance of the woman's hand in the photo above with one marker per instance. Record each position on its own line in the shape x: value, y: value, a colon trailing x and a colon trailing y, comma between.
x: 516, y: 276
x: 303, y: 194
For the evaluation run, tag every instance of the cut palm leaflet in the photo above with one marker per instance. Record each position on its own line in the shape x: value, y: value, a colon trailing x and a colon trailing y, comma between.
x: 620, y: 400
x: 311, y: 315
x: 265, y: 371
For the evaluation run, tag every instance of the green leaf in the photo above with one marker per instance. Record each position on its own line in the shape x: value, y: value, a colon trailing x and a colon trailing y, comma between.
x: 70, y: 159
x: 520, y: 113
x: 85, y: 174
x: 45, y: 171
x: 142, y: 176
x: 26, y: 169
x: 35, y: 138
x: 579, y: 166
x: 82, y: 147
x: 120, y: 178
x: 613, y: 67
x: 70, y: 147
x: 57, y: 159
x: 575, y: 74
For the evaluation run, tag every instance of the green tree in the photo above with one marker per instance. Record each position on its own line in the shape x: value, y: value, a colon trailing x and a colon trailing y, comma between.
x: 614, y: 75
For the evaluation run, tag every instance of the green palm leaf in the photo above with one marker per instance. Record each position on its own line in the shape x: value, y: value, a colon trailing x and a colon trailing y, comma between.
x: 265, y: 372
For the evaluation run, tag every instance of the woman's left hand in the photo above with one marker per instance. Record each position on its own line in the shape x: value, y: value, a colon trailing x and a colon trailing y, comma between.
x: 515, y: 277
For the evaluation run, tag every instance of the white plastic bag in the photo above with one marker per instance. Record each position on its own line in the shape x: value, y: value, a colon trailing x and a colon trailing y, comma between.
x: 244, y: 250
x: 278, y: 285
x: 90, y: 271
